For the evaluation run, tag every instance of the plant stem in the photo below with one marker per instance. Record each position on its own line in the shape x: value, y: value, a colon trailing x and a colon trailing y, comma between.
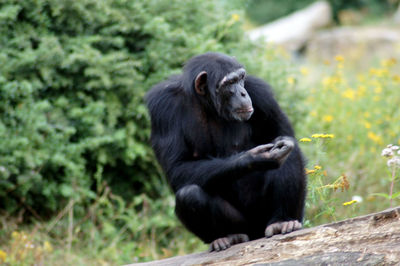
x: 70, y: 225
x: 392, y: 185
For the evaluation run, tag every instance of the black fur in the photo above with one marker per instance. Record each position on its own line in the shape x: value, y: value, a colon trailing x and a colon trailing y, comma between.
x: 219, y: 188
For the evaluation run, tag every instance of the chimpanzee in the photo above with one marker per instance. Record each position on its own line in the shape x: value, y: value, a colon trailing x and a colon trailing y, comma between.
x: 228, y: 151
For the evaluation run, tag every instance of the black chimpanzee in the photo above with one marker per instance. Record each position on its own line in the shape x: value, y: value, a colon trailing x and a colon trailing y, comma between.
x: 228, y: 151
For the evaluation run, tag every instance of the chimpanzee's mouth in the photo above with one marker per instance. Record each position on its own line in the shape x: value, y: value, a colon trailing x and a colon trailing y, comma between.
x: 243, y: 114
x: 244, y: 110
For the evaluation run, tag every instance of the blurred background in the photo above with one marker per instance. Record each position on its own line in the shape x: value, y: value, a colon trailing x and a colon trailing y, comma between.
x: 79, y: 183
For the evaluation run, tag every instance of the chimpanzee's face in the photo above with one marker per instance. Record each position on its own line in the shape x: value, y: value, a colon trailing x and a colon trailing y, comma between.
x: 232, y: 100
x: 227, y: 95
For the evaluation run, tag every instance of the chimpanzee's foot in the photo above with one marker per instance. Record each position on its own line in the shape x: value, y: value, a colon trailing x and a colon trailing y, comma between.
x: 225, y: 242
x: 282, y: 228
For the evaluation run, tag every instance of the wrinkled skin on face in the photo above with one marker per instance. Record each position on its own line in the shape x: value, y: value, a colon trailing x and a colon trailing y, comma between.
x: 229, y: 96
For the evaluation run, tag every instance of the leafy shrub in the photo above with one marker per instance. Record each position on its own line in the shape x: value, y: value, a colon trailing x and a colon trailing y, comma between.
x: 72, y: 82
x: 375, y: 7
x: 71, y: 92
x: 263, y: 11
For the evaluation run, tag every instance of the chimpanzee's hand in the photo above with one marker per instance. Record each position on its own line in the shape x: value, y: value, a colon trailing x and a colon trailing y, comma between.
x: 282, y: 148
x: 271, y: 155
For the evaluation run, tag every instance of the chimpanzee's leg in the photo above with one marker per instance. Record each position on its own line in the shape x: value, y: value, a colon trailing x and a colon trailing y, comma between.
x: 285, y: 194
x: 211, y: 218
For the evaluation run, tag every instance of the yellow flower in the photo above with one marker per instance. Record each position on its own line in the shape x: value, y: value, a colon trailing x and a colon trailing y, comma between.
x: 349, y: 93
x: 318, y: 167
x: 305, y: 140
x: 367, y: 125
x: 349, y: 203
x: 47, y: 246
x: 327, y: 118
x: 378, y: 90
x: 388, y: 62
x: 378, y: 72
x: 324, y: 136
x: 15, y: 235
x: 331, y: 81
x: 396, y: 78
x: 310, y: 171
x: 290, y: 80
x: 304, y: 71
x: 235, y: 17
x: 316, y: 136
x: 339, y: 58
x: 3, y: 256
x: 375, y: 138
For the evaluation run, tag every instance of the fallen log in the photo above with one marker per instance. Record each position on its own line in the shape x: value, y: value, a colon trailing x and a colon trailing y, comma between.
x: 294, y: 30
x: 373, y: 239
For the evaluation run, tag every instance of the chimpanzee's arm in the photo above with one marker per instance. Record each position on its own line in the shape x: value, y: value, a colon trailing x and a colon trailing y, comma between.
x: 182, y: 169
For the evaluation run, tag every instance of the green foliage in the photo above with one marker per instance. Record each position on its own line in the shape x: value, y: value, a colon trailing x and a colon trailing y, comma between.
x: 263, y: 11
x: 71, y: 102
x: 374, y: 7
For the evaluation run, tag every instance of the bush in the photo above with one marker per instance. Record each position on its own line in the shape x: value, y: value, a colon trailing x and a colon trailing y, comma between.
x: 263, y: 11
x: 71, y: 90
x: 72, y: 82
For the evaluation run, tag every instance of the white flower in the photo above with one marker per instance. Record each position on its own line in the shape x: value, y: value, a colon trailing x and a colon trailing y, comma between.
x: 387, y: 152
x: 389, y: 146
x: 394, y: 162
x: 357, y: 198
x: 395, y: 148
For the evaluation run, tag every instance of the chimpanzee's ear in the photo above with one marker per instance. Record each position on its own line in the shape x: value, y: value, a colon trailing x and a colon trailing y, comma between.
x: 200, y: 83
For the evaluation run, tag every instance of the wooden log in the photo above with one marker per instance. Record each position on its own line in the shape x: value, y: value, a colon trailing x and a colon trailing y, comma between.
x: 372, y: 239
x: 293, y: 31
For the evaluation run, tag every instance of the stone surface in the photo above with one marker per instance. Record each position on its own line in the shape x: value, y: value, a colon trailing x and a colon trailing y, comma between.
x: 294, y: 30
x: 373, y: 239
x: 355, y: 43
